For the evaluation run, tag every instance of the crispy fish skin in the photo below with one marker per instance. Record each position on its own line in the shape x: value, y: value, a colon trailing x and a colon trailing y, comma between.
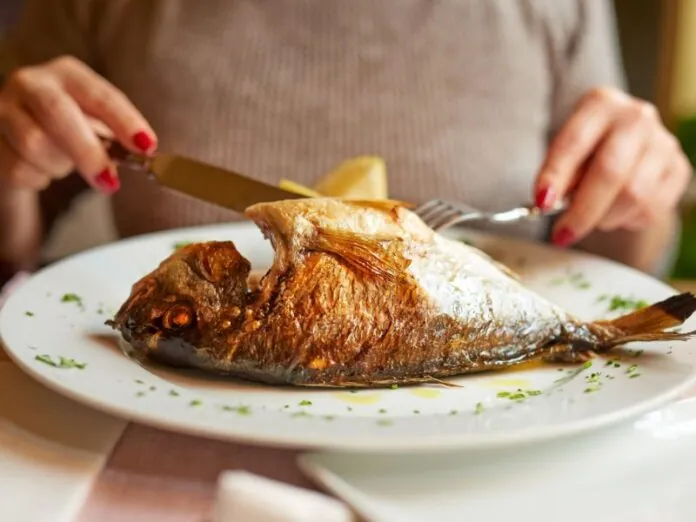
x: 360, y: 294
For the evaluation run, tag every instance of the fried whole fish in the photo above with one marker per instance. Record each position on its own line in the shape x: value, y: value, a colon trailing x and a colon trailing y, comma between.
x: 360, y: 294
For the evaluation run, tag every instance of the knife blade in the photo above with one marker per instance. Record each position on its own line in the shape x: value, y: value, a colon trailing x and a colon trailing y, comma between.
x: 202, y: 181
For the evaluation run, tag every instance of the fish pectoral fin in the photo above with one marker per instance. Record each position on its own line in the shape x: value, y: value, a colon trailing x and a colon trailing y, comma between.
x: 366, y: 254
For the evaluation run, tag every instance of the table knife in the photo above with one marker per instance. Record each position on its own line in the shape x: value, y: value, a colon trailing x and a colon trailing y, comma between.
x: 200, y: 180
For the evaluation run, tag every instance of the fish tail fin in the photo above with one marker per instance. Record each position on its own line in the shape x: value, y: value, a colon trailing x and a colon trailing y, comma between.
x: 651, y: 323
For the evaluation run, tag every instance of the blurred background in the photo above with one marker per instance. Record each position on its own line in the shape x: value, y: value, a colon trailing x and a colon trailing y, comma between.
x: 658, y: 43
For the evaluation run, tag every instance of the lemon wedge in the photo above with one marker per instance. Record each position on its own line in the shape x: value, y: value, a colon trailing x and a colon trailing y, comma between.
x: 363, y: 177
x: 298, y: 188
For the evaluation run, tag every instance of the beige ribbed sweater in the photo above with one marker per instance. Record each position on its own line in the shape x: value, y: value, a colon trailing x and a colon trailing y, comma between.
x: 459, y: 96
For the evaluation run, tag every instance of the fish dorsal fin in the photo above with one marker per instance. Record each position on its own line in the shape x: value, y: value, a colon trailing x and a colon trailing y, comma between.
x: 364, y: 253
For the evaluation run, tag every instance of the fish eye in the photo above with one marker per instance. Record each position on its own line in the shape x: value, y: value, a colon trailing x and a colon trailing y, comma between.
x: 178, y: 317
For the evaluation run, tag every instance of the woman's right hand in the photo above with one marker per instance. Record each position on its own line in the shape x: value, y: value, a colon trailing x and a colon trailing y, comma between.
x: 48, y: 117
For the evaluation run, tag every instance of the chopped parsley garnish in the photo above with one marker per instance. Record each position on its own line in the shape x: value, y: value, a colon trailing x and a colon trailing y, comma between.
x: 140, y: 394
x: 518, y: 395
x: 394, y: 386
x: 592, y: 389
x: 349, y: 408
x: 73, y: 298
x: 173, y: 393
x: 181, y: 244
x: 382, y: 410
x: 153, y: 388
x: 302, y: 413
x: 195, y: 402
x: 479, y: 408
x: 384, y: 422
x: 305, y: 403
x: 630, y: 304
x: 240, y: 410
x: 29, y: 314
x: 453, y: 412
x: 417, y: 412
x: 632, y: 368
x: 63, y: 362
x: 588, y: 364
x: 138, y: 381
x: 329, y: 417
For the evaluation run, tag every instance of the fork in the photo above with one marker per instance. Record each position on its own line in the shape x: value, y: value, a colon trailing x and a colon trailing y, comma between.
x: 441, y: 215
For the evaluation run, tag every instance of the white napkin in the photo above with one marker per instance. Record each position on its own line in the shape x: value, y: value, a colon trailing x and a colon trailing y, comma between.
x: 245, y: 497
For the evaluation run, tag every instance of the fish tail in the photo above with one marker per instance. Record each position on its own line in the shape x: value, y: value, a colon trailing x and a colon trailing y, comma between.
x: 651, y: 323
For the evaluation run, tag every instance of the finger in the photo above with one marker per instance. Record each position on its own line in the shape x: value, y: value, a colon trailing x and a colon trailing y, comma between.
x: 635, y: 199
x: 622, y: 211
x: 31, y: 143
x: 606, y: 175
x: 637, y: 221
x: 68, y: 127
x: 573, y: 146
x: 103, y: 101
x: 18, y: 173
x: 674, y: 183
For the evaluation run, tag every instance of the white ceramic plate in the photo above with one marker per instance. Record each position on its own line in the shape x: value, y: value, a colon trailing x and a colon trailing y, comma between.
x: 415, y: 419
x: 639, y: 472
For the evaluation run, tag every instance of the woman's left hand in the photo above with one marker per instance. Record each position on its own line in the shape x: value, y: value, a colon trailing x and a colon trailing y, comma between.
x: 618, y: 163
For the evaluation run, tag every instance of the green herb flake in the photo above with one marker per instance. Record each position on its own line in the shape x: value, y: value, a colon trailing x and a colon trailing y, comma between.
x: 329, y: 417
x: 592, y: 389
x: 140, y: 394
x: 195, y: 402
x: 634, y: 375
x: 73, y: 298
x: 63, y: 362
x: 348, y: 408
x: 138, y: 381
x: 417, y: 412
x: 153, y: 388
x: 302, y: 413
x: 588, y: 364
x: 29, y: 314
x: 173, y: 393
x: 453, y: 412
x: 384, y: 422
x: 382, y: 410
x: 503, y: 395
x: 181, y: 244
x: 479, y: 408
x: 394, y: 386
x: 305, y: 403
x: 632, y: 368
x: 626, y: 303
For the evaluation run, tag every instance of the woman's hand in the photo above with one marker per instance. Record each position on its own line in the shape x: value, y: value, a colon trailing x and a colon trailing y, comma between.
x: 621, y: 168
x: 48, y: 117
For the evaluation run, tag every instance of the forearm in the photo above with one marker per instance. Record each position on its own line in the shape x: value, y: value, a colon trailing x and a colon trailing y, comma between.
x: 645, y: 250
x: 20, y: 229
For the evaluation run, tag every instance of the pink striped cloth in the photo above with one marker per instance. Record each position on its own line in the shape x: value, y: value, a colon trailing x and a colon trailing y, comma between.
x: 158, y: 476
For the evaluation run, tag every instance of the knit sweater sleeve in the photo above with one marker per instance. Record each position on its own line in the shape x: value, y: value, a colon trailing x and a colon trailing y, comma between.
x: 585, y: 53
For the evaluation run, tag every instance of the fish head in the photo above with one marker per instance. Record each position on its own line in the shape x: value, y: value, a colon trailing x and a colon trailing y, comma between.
x: 176, y: 309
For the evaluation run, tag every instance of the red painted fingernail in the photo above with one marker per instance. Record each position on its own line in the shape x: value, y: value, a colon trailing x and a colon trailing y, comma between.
x: 564, y: 237
x: 545, y: 197
x: 107, y: 181
x: 143, y: 141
